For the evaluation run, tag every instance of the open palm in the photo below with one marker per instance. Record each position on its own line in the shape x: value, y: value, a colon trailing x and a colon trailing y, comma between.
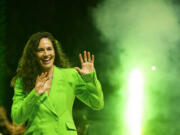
x: 87, y: 64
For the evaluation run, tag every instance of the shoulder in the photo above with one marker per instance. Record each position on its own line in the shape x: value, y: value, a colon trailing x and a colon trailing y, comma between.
x: 65, y: 73
x: 18, y: 83
x: 65, y: 70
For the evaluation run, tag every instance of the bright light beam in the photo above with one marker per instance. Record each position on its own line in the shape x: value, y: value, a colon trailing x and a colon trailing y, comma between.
x: 135, y: 102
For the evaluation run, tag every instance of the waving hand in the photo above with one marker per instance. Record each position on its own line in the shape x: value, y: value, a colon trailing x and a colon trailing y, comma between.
x: 87, y: 63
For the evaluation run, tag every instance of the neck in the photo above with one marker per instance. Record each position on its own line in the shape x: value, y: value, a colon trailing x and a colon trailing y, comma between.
x: 49, y: 71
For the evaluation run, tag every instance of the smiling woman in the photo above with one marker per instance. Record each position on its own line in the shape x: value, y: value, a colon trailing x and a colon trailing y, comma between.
x: 45, y: 87
x: 45, y: 54
x: 33, y: 61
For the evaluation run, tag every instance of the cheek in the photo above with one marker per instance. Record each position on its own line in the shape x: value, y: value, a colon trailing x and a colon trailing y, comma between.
x: 38, y: 56
x: 53, y: 54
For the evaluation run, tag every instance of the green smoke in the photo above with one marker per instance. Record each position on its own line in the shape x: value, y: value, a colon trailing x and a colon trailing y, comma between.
x: 143, y: 34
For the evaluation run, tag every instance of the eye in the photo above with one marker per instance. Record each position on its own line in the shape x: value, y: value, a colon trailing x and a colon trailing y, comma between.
x: 40, y: 50
x: 49, y: 48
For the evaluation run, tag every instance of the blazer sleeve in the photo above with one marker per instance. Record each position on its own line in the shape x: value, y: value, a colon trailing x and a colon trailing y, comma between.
x: 23, y: 103
x: 88, y: 89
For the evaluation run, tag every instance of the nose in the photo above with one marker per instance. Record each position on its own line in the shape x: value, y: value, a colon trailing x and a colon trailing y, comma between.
x: 45, y: 53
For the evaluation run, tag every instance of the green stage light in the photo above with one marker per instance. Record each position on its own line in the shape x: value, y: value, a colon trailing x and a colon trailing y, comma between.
x: 153, y: 68
x: 135, y: 102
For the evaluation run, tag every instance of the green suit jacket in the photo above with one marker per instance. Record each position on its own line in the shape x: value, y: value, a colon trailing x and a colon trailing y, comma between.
x: 52, y: 114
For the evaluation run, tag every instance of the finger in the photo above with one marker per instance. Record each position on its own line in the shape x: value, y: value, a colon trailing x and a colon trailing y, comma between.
x: 41, y: 76
x: 45, y: 74
x: 78, y: 69
x: 89, y: 57
x: 47, y: 78
x: 85, y: 56
x: 37, y: 79
x: 93, y: 59
x: 81, y: 59
x: 44, y: 80
x: 41, y: 91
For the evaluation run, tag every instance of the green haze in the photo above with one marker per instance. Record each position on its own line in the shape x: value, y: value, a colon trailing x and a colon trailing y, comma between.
x: 142, y: 34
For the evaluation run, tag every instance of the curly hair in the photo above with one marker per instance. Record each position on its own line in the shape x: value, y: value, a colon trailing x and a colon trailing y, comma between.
x: 28, y: 67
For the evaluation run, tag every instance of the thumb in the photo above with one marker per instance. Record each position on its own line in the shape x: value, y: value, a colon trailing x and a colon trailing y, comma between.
x: 78, y: 69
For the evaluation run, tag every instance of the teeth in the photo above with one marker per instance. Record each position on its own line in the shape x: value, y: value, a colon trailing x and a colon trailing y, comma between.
x: 47, y: 59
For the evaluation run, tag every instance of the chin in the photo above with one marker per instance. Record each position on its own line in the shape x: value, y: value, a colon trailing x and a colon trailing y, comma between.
x: 46, y: 67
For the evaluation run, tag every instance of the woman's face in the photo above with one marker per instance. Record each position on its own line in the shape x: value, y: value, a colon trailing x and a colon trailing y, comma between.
x: 45, y: 54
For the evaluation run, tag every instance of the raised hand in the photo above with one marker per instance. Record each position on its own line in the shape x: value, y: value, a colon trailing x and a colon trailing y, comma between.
x: 41, y: 85
x: 87, y: 64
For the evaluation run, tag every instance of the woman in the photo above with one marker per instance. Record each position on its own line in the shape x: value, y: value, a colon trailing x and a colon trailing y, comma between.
x: 45, y: 87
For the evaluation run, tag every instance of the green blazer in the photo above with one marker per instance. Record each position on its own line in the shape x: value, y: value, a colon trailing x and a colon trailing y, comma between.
x: 52, y: 114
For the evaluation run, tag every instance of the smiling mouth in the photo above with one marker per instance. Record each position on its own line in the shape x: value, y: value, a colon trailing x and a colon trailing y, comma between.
x: 46, y: 60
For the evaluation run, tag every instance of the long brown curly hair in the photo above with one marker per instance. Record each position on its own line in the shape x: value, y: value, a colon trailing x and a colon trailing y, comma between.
x: 28, y: 67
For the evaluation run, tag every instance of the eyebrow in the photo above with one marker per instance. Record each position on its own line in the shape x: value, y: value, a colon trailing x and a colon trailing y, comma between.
x: 49, y: 47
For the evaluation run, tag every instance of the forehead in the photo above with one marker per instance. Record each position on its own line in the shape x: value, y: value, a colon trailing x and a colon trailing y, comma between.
x: 45, y: 42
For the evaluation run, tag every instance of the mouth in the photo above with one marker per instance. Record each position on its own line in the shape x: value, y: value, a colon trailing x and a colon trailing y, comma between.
x: 46, y: 60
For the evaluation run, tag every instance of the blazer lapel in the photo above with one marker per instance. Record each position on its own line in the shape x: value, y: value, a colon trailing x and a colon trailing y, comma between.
x: 47, y: 102
x: 49, y: 105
